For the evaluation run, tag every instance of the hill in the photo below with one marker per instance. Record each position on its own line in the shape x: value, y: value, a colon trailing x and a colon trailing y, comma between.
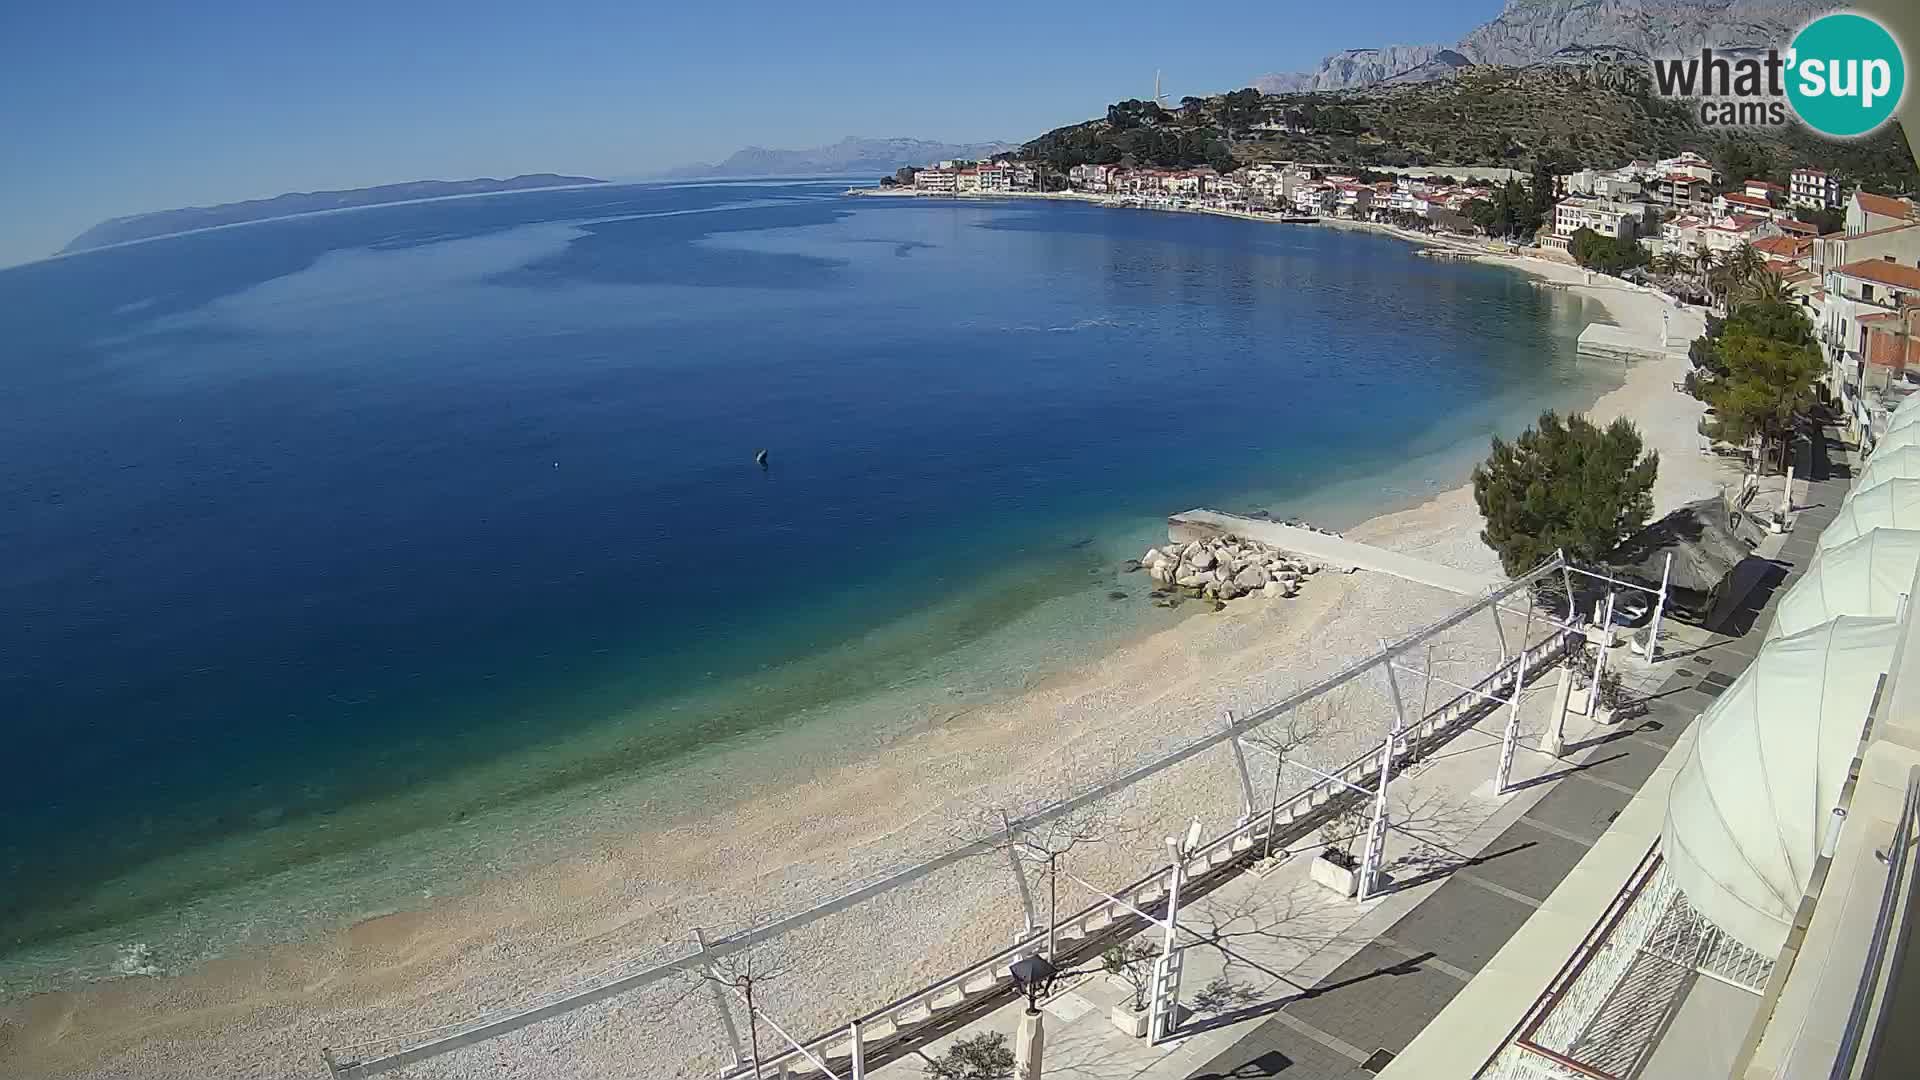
x: 1534, y: 31
x: 1568, y: 114
x: 121, y: 230
x: 849, y: 156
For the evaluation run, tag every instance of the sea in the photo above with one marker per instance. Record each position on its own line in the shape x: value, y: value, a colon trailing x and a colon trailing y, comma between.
x: 349, y: 559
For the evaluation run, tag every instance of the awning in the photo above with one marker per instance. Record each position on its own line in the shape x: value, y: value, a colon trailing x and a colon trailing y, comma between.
x: 1750, y: 805
x: 1901, y: 463
x: 1894, y: 504
x: 1864, y: 576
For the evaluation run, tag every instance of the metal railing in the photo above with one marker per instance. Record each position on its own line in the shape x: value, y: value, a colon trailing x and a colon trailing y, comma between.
x: 1896, y: 907
x: 360, y: 1060
x: 1299, y: 815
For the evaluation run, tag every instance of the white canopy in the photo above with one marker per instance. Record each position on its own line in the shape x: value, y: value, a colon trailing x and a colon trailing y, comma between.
x: 1864, y: 576
x: 1901, y: 463
x: 1909, y: 407
x: 1894, y: 504
x: 1898, y: 438
x: 1903, y: 416
x: 1751, y: 803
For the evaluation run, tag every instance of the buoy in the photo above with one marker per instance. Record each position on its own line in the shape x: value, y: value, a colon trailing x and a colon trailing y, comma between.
x: 760, y: 458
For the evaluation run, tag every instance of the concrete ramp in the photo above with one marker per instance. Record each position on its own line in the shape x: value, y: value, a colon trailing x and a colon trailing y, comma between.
x: 1619, y: 343
x: 1333, y: 551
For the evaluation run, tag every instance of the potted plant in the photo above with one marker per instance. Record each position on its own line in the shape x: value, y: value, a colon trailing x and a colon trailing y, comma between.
x: 1336, y: 867
x: 1132, y: 963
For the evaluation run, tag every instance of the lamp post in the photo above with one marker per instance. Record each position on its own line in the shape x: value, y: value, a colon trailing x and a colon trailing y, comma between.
x: 1034, y: 976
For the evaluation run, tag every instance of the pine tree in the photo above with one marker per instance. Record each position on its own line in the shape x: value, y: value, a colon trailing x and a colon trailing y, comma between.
x: 1567, y: 486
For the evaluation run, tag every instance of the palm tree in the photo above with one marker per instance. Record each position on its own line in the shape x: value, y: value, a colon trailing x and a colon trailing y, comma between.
x: 1743, y: 263
x: 1766, y: 287
x: 1671, y: 263
x: 1704, y: 260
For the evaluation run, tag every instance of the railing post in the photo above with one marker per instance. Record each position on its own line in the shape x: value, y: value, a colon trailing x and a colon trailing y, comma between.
x: 720, y: 1000
x: 1503, y: 779
x: 1165, y: 1011
x: 1019, y: 877
x: 1659, y: 608
x: 859, y: 1051
x: 1240, y: 767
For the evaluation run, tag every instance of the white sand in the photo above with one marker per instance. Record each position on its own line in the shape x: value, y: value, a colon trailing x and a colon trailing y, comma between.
x: 641, y: 894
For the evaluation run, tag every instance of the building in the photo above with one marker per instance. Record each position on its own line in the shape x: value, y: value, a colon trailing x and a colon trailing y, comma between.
x: 940, y: 180
x: 1615, y: 220
x: 1353, y: 200
x: 1715, y: 233
x: 1867, y: 212
x: 1816, y: 188
x: 1866, y: 300
x: 995, y: 177
x: 1098, y: 178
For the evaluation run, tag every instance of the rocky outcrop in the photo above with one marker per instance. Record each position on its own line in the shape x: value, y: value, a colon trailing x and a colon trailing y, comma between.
x: 1224, y: 568
x: 1541, y: 31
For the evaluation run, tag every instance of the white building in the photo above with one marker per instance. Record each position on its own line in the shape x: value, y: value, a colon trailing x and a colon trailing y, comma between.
x: 939, y: 180
x: 1815, y: 187
x: 1616, y: 220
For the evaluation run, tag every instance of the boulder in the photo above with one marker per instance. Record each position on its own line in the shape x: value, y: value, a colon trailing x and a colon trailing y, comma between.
x: 1253, y: 577
x: 1152, y: 556
x: 1193, y: 580
x: 1273, y: 590
x: 1229, y: 590
x: 1161, y: 572
x: 1201, y: 560
x: 1193, y: 548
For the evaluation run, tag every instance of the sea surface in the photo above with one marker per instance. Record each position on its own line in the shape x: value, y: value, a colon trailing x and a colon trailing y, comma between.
x: 343, y: 557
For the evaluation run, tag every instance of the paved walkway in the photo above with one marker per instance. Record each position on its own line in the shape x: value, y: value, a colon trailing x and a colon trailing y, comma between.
x: 1338, y: 551
x: 1351, y: 1023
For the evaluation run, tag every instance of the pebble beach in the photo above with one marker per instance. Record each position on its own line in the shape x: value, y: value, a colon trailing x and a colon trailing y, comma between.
x: 637, y: 897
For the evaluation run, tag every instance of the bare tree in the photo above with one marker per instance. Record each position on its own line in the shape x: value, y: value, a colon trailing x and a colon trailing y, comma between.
x: 1035, y: 835
x: 1308, y: 722
x: 1133, y: 961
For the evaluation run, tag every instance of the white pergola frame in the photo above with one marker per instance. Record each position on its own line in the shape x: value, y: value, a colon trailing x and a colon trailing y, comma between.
x: 428, y: 1044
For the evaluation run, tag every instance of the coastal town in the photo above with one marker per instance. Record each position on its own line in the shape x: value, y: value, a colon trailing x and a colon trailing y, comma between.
x: 1849, y: 258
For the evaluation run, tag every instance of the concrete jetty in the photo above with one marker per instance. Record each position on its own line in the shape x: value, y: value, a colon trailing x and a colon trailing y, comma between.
x: 1336, y: 552
x: 1619, y: 343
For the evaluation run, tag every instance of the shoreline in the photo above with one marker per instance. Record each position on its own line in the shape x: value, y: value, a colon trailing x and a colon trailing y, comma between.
x: 266, y: 1013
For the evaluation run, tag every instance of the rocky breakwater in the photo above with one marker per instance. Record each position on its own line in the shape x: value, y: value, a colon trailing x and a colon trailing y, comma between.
x: 1225, y: 568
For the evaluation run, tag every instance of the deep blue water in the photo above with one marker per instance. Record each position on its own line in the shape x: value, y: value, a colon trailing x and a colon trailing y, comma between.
x: 302, y: 514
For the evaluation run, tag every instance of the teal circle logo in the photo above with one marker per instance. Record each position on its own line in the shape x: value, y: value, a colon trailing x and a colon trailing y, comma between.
x: 1845, y: 75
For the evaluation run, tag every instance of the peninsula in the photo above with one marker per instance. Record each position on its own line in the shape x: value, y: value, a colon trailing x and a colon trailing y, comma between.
x: 123, y: 230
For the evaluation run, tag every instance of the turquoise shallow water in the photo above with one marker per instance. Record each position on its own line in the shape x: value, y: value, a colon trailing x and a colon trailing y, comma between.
x: 352, y: 553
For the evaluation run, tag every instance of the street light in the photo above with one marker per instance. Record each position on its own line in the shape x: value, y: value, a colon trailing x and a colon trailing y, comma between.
x: 1034, y: 976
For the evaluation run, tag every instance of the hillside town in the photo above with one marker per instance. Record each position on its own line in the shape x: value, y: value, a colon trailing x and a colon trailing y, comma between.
x: 1849, y: 258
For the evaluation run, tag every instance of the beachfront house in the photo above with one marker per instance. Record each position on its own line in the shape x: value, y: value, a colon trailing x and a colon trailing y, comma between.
x: 937, y: 180
x: 1095, y: 178
x: 1718, y: 233
x: 1867, y: 212
x: 1872, y: 307
x: 1616, y: 220
x: 1816, y: 188
x: 1353, y: 200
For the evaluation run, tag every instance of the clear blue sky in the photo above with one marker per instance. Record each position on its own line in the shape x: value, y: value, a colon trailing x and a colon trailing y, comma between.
x: 119, y: 108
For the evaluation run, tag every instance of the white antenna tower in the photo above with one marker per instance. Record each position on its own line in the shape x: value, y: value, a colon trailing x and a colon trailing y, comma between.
x: 1159, y: 98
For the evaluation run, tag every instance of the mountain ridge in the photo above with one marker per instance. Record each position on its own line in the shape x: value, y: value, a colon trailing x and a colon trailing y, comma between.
x: 1534, y: 31
x: 158, y: 223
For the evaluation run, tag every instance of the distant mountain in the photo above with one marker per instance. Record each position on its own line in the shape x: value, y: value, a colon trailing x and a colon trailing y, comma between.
x: 120, y: 230
x: 866, y: 157
x: 1541, y: 31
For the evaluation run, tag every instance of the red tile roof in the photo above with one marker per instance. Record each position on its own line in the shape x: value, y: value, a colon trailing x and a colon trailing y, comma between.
x: 1750, y: 201
x: 1884, y: 206
x: 1795, y: 225
x: 1786, y: 247
x: 1883, y: 272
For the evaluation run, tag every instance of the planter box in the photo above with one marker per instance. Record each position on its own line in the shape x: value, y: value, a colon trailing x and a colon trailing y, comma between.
x: 1343, y: 881
x: 1129, y: 1021
x: 1578, y: 699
